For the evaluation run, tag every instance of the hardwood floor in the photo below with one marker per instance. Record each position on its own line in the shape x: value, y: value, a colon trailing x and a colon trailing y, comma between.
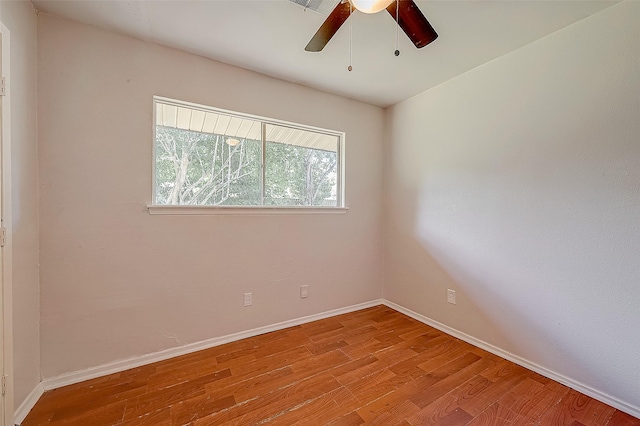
x: 374, y: 366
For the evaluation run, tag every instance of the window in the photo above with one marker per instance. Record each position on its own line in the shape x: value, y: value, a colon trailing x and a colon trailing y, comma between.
x: 210, y: 157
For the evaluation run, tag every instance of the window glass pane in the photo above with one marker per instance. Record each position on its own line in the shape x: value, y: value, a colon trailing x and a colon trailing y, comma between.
x: 301, y: 167
x: 205, y: 158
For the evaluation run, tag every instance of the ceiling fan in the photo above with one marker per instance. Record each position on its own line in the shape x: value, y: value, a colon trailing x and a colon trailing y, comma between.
x: 404, y: 12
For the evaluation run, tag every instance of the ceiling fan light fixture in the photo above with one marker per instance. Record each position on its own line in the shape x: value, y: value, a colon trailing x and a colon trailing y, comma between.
x: 232, y: 141
x: 371, y: 6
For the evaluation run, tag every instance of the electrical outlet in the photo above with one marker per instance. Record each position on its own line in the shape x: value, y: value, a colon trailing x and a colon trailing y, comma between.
x: 248, y: 299
x: 304, y: 291
x: 451, y: 296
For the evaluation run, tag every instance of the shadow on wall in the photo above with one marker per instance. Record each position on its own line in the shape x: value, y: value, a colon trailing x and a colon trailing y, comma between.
x: 522, y: 279
x: 427, y: 273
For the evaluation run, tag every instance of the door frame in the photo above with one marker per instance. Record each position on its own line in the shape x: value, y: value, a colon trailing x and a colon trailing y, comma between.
x: 6, y: 258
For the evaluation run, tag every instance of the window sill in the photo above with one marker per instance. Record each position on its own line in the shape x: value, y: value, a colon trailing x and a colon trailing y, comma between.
x: 241, y: 210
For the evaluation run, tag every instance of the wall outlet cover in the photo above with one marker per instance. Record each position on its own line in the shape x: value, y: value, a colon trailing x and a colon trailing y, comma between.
x: 304, y: 291
x: 451, y: 296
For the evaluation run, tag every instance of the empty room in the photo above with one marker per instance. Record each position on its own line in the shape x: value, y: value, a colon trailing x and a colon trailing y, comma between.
x: 320, y: 212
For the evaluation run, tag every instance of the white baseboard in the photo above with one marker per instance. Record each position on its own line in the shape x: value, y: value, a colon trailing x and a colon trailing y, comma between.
x: 126, y: 364
x: 26, y: 406
x: 580, y: 387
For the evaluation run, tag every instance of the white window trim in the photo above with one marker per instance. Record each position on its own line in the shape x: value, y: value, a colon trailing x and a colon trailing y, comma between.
x: 164, y: 209
x: 241, y: 210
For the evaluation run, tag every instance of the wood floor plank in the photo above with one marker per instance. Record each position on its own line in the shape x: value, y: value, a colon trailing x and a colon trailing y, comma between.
x: 317, y: 363
x: 159, y: 417
x: 160, y: 399
x: 316, y: 411
x: 98, y: 415
x: 253, y: 368
x: 356, y: 369
x: 73, y: 405
x: 440, y: 348
x: 346, y: 401
x: 192, y: 409
x: 442, y: 407
x: 577, y: 407
x: 375, y: 366
x: 345, y: 333
x: 349, y: 419
x: 272, y: 404
x: 495, y: 391
x: 391, y: 406
x: 375, y: 385
x: 623, y: 419
x: 498, y: 414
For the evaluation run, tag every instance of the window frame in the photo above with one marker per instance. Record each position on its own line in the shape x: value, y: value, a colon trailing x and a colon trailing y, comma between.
x: 173, y: 209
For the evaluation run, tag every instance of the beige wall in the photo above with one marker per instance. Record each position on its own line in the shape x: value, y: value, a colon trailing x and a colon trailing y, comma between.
x: 517, y: 185
x: 117, y: 282
x: 20, y: 19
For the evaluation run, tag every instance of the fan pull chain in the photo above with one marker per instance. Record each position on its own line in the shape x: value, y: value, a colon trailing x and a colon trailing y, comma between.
x: 397, y: 52
x: 350, y: 68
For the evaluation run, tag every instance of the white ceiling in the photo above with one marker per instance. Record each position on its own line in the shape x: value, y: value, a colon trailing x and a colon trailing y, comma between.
x: 269, y: 36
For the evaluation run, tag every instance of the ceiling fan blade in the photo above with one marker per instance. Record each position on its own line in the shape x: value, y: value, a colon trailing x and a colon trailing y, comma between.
x: 329, y: 27
x: 413, y: 22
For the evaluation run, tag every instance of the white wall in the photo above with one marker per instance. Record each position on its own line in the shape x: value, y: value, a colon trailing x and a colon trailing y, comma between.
x: 20, y: 19
x: 517, y: 184
x: 117, y: 282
